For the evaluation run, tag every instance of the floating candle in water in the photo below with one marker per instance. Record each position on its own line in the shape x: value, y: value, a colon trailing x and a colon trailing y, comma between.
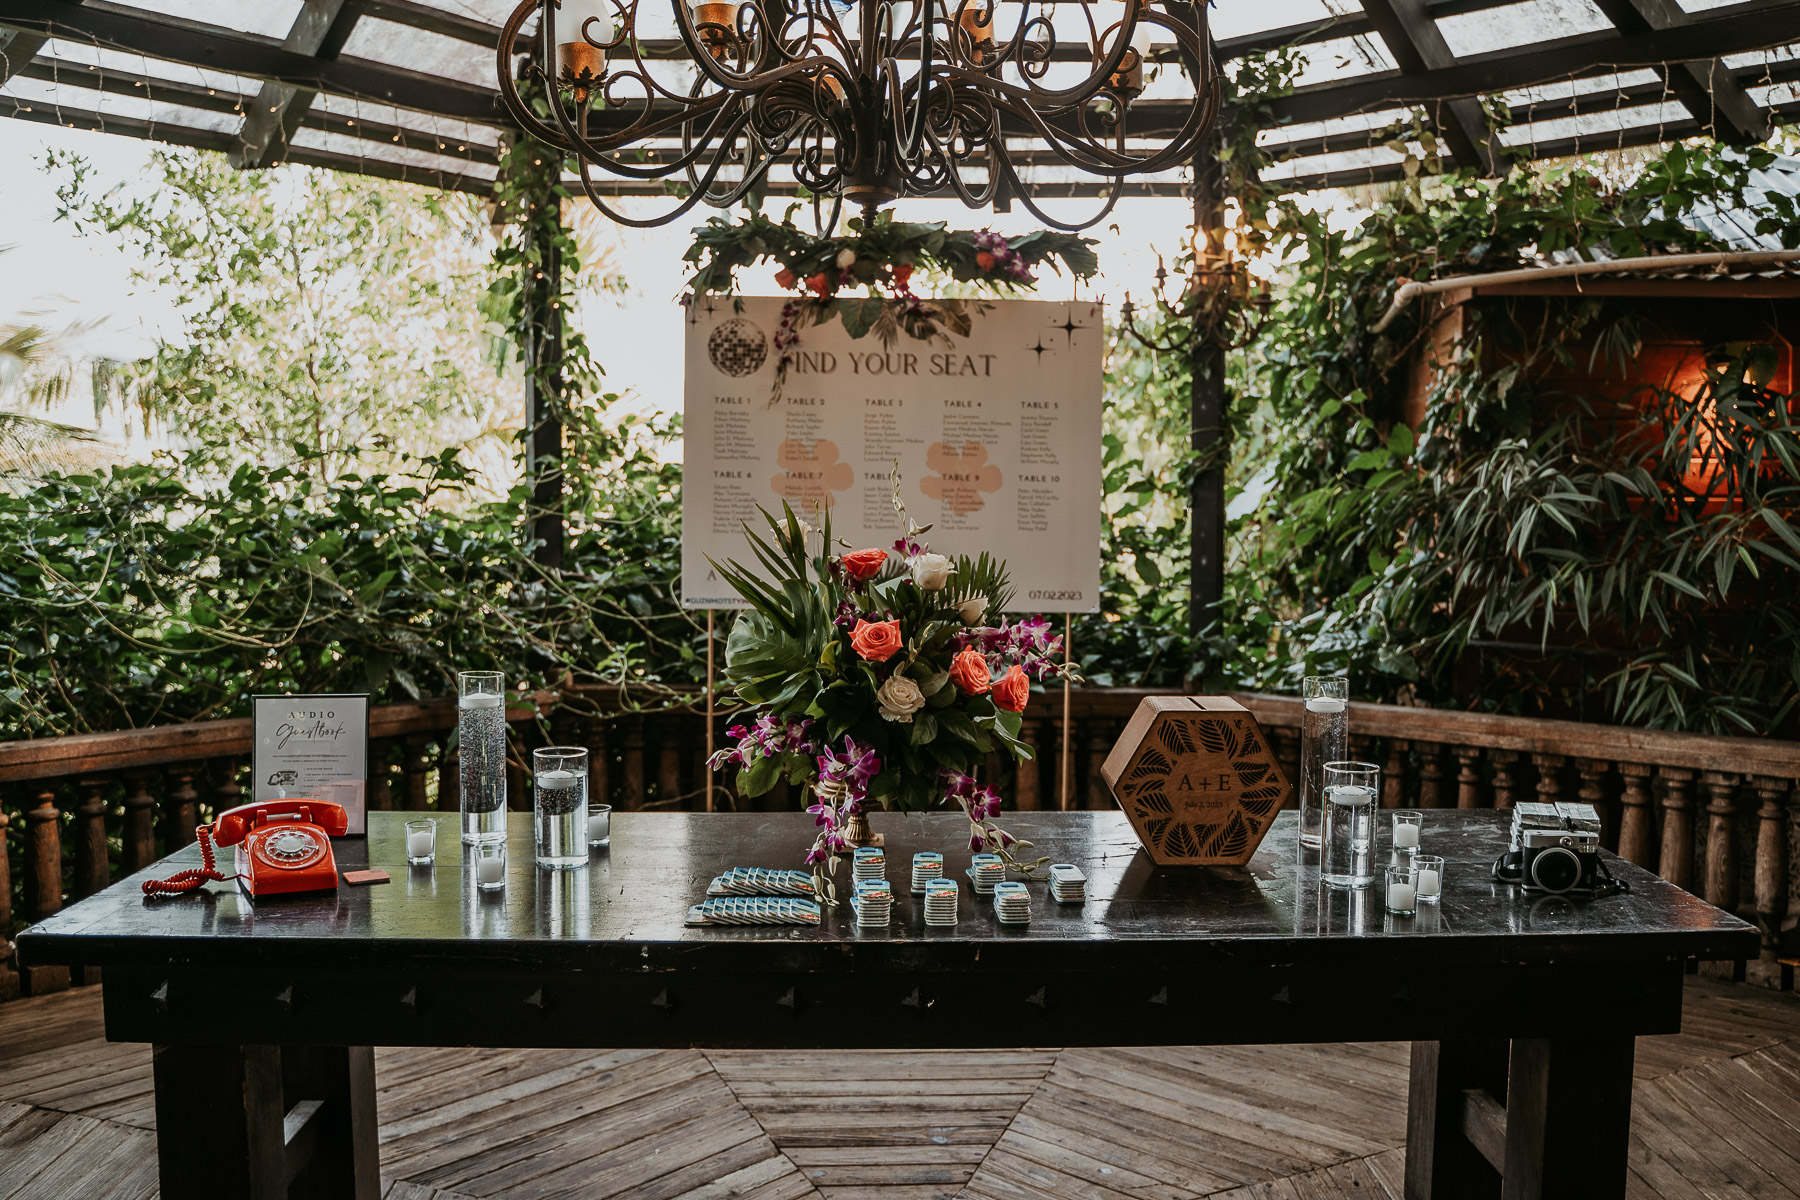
x: 552, y: 781
x: 1325, y: 704
x: 1406, y: 837
x: 480, y: 700
x: 1400, y: 897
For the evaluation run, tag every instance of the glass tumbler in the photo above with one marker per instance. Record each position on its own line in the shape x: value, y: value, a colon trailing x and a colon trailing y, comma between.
x: 490, y: 866
x: 421, y: 843
x: 599, y: 827
x: 1408, y: 825
x: 1402, y: 890
x: 481, y: 754
x: 1430, y: 878
x: 1324, y: 738
x: 559, y: 776
x: 1346, y: 858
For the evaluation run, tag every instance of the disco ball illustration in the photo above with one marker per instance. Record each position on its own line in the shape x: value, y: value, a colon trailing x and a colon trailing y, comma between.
x: 737, y: 348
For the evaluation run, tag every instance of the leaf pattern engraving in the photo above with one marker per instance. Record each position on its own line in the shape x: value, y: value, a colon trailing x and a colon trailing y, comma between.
x: 1202, y: 789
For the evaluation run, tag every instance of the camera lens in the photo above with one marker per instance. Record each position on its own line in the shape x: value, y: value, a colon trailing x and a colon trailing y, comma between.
x: 1555, y: 869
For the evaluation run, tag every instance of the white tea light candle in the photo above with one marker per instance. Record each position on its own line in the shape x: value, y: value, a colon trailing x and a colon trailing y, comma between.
x: 599, y: 824
x: 555, y: 780
x: 1326, y: 704
x: 1428, y: 882
x: 1401, y: 897
x: 480, y: 700
x: 421, y: 842
x: 418, y: 845
x: 490, y: 872
x: 1430, y: 878
x: 1406, y: 837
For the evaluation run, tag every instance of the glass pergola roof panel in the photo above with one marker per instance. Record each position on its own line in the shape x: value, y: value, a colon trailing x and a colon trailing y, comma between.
x: 420, y: 50
x: 1239, y: 18
x: 265, y: 18
x: 1519, y: 25
x: 1604, y: 129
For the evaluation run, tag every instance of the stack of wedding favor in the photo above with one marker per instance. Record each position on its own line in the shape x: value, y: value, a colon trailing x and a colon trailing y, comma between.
x: 927, y: 866
x: 1067, y: 884
x: 940, y: 902
x: 873, y: 903
x: 758, y: 896
x: 985, y: 871
x: 1012, y: 904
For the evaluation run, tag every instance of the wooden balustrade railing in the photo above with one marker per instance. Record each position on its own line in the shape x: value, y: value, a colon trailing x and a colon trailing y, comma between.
x: 1713, y: 814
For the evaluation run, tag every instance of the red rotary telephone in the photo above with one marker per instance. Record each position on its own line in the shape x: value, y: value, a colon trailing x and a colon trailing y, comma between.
x: 282, y: 846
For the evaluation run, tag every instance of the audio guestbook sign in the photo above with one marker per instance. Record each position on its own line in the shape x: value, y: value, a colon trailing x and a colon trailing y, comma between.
x: 997, y: 436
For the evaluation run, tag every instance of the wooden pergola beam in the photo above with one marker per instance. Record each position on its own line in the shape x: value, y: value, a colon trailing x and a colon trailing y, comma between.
x: 1705, y: 87
x: 320, y: 29
x: 1412, y: 36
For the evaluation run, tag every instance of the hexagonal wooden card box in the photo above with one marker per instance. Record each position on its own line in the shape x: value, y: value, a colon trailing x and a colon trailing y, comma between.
x: 1198, y: 780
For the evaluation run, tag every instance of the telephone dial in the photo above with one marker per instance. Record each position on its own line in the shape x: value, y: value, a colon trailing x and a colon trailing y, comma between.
x: 282, y: 846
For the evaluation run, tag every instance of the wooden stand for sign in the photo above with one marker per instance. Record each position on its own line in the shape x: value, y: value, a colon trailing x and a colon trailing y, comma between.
x: 1198, y: 780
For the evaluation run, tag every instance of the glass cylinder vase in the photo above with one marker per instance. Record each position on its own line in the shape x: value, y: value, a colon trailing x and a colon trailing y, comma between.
x: 481, y: 752
x: 1324, y: 738
x: 559, y: 804
x: 1347, y: 854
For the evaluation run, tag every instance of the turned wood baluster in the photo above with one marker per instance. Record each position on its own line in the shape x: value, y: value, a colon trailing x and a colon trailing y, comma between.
x: 181, y: 808
x: 1637, y: 823
x: 634, y: 762
x: 9, y: 983
x: 668, y: 764
x: 1721, y: 881
x: 1593, y: 791
x: 1026, y: 795
x: 1362, y: 748
x: 91, y: 865
x: 1100, y: 742
x: 1771, y: 856
x: 1677, y: 862
x: 1431, y: 775
x: 449, y: 789
x: 43, y: 853
x: 414, y: 772
x: 1394, y: 773
x: 137, y: 841
x: 1549, y: 781
x: 1505, y: 786
x: 600, y: 768
x: 1468, y: 778
x: 1285, y: 744
x: 381, y: 788
x: 227, y: 792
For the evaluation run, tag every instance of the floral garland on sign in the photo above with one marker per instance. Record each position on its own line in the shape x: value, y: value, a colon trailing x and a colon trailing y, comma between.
x: 880, y: 257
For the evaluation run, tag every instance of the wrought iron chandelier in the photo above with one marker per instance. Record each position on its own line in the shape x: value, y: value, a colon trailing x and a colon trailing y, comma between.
x: 866, y: 100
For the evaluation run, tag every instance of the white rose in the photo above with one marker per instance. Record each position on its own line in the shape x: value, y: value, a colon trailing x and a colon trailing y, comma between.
x: 931, y: 571
x: 972, y: 609
x: 846, y: 259
x: 900, y: 698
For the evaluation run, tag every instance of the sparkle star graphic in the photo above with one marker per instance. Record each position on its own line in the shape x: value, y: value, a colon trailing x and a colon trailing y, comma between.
x: 1070, y: 325
x: 1039, y: 349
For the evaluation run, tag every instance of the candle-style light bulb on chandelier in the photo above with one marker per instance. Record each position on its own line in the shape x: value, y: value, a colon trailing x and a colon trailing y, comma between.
x: 866, y: 101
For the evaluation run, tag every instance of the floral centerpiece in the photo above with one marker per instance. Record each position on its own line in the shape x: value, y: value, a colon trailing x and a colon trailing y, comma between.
x: 879, y: 677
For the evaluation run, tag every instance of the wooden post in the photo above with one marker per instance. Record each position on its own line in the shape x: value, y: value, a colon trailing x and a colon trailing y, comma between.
x: 9, y: 979
x: 599, y: 763
x: 1441, y: 1164
x: 1393, y: 774
x: 1025, y: 784
x: 1677, y: 863
x: 449, y: 788
x: 1771, y: 856
x: 227, y: 792
x: 634, y: 763
x: 92, y: 867
x: 1549, y: 782
x: 1100, y: 738
x: 1593, y: 791
x: 415, y: 773
x: 1066, y: 743
x: 1431, y: 775
x: 1504, y: 784
x: 1721, y: 882
x: 1637, y: 824
x: 43, y: 851
x: 181, y: 808
x: 1568, y: 1117
x: 668, y: 764
x: 137, y: 842
x: 381, y: 773
x: 1468, y: 779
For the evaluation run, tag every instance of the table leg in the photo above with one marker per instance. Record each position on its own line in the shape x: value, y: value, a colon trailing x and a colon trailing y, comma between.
x: 266, y: 1122
x: 1568, y: 1118
x: 1441, y: 1161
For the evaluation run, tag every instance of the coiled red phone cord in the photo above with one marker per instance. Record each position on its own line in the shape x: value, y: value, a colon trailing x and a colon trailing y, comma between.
x: 187, y: 881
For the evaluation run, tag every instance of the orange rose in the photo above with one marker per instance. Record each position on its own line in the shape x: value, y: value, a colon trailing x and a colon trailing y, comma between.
x: 969, y: 671
x: 817, y: 283
x: 902, y: 274
x: 876, y: 641
x: 863, y: 564
x: 1013, y: 690
x: 984, y: 260
x: 785, y: 278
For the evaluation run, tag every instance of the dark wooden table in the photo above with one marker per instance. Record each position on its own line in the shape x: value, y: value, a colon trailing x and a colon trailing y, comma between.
x: 1522, y: 1013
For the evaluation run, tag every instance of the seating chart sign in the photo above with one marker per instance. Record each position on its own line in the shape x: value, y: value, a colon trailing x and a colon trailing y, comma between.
x: 997, y: 436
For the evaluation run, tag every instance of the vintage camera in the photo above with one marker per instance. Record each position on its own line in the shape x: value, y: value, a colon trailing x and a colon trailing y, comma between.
x: 1556, y: 851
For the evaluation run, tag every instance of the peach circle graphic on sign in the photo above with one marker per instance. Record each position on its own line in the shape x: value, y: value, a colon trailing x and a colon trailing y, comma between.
x: 962, y: 476
x: 810, y: 475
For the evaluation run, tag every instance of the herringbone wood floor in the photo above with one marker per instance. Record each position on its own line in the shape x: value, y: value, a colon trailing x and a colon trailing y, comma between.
x: 1716, y: 1114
